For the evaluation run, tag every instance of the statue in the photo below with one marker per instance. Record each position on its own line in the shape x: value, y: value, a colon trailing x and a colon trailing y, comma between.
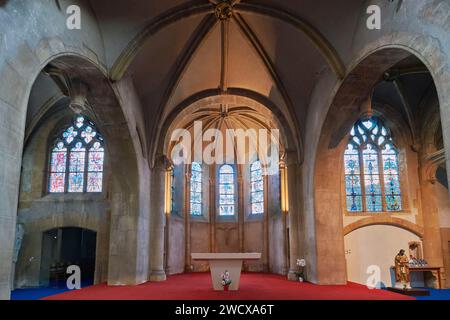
x: 402, y: 269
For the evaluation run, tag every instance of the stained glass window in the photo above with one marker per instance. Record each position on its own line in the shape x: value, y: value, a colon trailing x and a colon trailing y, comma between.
x: 352, y: 179
x: 77, y: 159
x: 391, y: 179
x: 372, y: 179
x: 226, y: 190
x: 58, y: 167
x: 196, y: 189
x: 371, y: 159
x: 257, y: 188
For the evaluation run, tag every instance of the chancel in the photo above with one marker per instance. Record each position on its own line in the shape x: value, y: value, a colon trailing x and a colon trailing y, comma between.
x: 281, y: 138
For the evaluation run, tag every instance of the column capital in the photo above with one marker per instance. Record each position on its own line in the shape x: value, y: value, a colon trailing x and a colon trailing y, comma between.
x: 162, y: 162
x: 290, y: 158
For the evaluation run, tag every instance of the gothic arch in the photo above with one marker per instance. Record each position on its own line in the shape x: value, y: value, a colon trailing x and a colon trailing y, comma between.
x: 239, y: 96
x: 124, y: 189
x: 364, y: 72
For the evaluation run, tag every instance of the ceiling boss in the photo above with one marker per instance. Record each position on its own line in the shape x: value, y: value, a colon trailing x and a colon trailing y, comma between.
x: 224, y: 10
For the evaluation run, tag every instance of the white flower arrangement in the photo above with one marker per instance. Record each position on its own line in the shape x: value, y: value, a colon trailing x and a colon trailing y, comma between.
x: 301, y: 263
x: 226, y: 281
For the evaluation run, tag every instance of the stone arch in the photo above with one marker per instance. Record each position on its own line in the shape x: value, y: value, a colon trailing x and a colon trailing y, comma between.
x: 127, y: 206
x: 239, y: 96
x: 178, y: 118
x: 391, y: 221
x: 128, y: 248
x: 364, y: 72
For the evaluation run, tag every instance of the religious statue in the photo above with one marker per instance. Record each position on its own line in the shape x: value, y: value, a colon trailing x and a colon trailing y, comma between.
x: 402, y: 269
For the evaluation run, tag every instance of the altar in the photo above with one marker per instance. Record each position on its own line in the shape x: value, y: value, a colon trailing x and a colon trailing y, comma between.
x: 221, y: 262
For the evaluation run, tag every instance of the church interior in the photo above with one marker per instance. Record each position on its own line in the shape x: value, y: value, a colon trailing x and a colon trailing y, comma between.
x: 98, y: 101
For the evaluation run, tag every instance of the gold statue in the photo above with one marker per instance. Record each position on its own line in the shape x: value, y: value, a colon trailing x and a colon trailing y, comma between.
x: 402, y: 269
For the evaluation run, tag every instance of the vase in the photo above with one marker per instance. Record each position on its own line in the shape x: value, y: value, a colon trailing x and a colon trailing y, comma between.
x: 300, y: 279
x: 225, y: 288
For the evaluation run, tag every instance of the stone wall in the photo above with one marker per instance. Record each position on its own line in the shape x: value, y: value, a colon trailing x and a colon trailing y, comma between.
x: 40, y: 211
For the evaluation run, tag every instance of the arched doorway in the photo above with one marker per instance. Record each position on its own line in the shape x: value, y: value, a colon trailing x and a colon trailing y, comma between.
x: 62, y: 247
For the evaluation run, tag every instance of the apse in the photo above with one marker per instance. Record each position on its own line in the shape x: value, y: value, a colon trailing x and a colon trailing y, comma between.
x: 225, y: 206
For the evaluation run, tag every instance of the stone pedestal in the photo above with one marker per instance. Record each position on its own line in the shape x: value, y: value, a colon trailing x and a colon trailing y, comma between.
x: 221, y: 262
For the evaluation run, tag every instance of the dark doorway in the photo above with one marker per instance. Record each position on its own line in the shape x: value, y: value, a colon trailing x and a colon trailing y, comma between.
x: 62, y: 247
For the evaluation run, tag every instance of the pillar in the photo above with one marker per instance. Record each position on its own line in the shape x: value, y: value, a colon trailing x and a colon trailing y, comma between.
x: 432, y: 243
x: 157, y: 219
x: 292, y: 169
x: 11, y: 144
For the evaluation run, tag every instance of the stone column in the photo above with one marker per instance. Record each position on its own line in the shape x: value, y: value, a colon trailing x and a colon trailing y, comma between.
x: 432, y: 243
x: 240, y: 209
x: 11, y: 144
x: 157, y: 220
x: 187, y: 219
x: 292, y: 169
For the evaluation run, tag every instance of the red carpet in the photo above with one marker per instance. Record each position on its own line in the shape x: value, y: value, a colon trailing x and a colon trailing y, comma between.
x: 253, y: 286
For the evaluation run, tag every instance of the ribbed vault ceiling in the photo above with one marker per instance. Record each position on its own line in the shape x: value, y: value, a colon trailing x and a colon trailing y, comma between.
x: 177, y: 49
x: 276, y: 49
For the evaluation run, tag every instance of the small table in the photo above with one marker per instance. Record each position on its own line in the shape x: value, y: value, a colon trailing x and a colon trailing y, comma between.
x: 424, y: 269
x: 221, y: 262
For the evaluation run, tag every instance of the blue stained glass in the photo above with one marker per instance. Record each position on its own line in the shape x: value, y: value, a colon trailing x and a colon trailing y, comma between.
x: 226, y: 210
x: 196, y: 197
x: 391, y: 179
x: 257, y: 208
x: 257, y: 197
x: 372, y: 185
x: 393, y: 203
x: 79, y: 122
x: 370, y: 143
x: 196, y: 176
x: 354, y: 203
x: 70, y: 134
x: 370, y: 159
x: 368, y: 124
x: 256, y: 175
x: 256, y: 166
x: 373, y: 203
x: 226, y: 190
x: 392, y: 185
x: 226, y: 178
x: 352, y: 179
x: 196, y: 189
x: 76, y: 181
x: 353, y: 185
x: 257, y: 188
x: 226, y: 168
x: 226, y: 199
x: 88, y: 134
x: 196, y: 209
x: 196, y: 186
x: 196, y: 167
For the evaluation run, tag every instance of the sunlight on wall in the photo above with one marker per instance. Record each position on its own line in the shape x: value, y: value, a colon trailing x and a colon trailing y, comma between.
x: 377, y: 245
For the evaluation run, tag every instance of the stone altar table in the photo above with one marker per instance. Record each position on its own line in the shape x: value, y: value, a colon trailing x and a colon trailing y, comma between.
x: 219, y: 262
